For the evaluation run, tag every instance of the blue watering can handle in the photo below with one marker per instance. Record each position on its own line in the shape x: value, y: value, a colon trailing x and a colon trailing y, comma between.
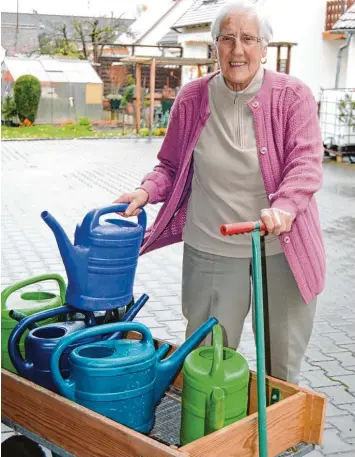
x: 66, y: 386
x: 23, y: 325
x: 119, y: 207
x: 217, y: 345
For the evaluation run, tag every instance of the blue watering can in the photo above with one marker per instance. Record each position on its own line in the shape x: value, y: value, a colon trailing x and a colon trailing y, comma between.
x: 121, y: 379
x: 101, y: 265
x: 41, y: 341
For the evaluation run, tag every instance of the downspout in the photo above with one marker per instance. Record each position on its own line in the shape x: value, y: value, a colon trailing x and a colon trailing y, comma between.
x: 340, y: 51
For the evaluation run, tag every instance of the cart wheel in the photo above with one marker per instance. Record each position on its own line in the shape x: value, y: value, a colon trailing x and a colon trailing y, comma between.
x: 21, y: 446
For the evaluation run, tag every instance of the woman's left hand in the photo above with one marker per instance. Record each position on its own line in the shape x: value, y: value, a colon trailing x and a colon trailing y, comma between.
x: 276, y: 220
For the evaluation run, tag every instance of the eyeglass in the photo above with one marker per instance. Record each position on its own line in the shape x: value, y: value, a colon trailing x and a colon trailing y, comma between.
x: 231, y: 40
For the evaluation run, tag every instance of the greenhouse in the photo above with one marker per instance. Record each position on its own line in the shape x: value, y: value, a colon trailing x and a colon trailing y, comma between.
x: 70, y: 89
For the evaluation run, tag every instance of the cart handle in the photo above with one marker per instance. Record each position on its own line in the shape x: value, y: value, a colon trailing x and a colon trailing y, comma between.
x: 239, y: 228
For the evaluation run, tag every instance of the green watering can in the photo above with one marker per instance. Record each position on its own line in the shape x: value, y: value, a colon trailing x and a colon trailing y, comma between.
x: 24, y: 305
x: 215, y: 389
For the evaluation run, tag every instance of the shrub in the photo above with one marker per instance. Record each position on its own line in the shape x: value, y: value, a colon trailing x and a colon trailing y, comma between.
x: 144, y: 132
x: 85, y: 121
x: 8, y: 109
x: 347, y: 111
x: 128, y: 95
x: 131, y: 80
x: 27, y: 92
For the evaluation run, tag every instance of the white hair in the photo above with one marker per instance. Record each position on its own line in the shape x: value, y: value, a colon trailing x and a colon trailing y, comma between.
x: 244, y: 6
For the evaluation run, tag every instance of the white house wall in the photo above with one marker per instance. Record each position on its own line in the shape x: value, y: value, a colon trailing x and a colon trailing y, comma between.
x: 313, y: 60
x: 194, y: 49
x: 160, y: 29
x: 350, y: 71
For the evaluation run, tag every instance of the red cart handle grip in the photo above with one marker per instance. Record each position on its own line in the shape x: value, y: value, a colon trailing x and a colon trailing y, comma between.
x: 241, y: 227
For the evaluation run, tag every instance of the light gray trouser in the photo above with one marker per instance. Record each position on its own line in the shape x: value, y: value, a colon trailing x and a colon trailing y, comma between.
x: 221, y: 287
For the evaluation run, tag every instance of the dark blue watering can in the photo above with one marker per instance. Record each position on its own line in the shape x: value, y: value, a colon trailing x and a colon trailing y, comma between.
x: 41, y: 341
x: 121, y: 379
x: 101, y: 265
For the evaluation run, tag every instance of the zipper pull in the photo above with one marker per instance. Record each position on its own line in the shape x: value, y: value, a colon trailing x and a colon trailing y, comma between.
x: 235, y: 98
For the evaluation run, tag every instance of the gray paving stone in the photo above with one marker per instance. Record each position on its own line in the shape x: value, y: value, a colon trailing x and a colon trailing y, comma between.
x: 345, y: 425
x: 310, y: 367
x: 333, y: 369
x: 337, y: 395
x: 6, y: 435
x: 156, y: 305
x: 161, y: 292
x: 346, y: 359
x: 150, y: 322
x: 167, y: 315
x: 345, y: 454
x: 162, y: 334
x: 332, y: 443
x: 5, y: 428
x: 175, y: 326
x: 349, y: 328
x: 350, y: 347
x: 350, y: 408
x: 316, y: 355
x: 349, y: 381
x: 340, y: 338
x: 318, y: 378
x: 315, y: 453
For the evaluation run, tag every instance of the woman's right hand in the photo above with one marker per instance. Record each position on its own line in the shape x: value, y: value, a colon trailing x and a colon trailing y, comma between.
x: 135, y: 199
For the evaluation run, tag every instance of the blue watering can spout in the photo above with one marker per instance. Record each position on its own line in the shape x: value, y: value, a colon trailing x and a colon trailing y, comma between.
x: 167, y: 369
x: 129, y: 316
x: 73, y: 257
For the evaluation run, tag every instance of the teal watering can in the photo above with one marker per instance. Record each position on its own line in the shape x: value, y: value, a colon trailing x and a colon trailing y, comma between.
x: 40, y: 342
x: 101, y: 265
x: 122, y: 379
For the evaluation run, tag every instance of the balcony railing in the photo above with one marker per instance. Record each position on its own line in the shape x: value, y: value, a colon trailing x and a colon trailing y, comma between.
x: 335, y: 8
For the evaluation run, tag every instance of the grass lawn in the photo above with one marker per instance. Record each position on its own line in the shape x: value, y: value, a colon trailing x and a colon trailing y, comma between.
x: 51, y: 131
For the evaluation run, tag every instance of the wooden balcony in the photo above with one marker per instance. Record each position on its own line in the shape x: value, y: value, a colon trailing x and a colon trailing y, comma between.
x: 335, y: 8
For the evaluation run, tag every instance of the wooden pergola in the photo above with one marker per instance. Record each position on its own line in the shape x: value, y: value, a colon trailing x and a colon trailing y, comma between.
x: 153, y: 62
x: 279, y: 45
x: 138, y: 61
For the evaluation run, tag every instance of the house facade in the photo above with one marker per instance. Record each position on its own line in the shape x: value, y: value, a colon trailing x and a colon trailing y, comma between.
x: 153, y: 27
x: 345, y: 26
x: 313, y: 59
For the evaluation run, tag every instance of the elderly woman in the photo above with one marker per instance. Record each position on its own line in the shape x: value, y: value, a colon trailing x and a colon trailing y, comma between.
x: 242, y: 144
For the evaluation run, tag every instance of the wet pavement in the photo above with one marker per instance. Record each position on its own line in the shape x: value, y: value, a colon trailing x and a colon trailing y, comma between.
x: 68, y: 178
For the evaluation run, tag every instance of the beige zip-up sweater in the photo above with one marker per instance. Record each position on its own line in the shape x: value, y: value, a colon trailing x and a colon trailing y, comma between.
x: 227, y: 183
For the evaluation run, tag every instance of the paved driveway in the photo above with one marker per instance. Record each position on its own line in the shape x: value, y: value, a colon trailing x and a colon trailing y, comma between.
x: 68, y: 178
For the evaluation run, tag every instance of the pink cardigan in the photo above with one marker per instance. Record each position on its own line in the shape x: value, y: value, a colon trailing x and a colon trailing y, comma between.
x: 290, y: 153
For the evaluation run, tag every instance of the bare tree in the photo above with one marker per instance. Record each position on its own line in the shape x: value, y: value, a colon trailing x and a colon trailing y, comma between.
x: 87, y: 39
x: 93, y: 36
x: 57, y: 42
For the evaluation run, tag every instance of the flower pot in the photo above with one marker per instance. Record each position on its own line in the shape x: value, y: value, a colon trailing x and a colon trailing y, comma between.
x: 115, y: 104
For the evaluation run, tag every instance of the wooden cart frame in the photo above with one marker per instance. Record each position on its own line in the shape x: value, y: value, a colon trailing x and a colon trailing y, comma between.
x: 297, y: 417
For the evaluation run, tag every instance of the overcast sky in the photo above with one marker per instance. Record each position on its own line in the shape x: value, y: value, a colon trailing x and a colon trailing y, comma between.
x: 78, y: 7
